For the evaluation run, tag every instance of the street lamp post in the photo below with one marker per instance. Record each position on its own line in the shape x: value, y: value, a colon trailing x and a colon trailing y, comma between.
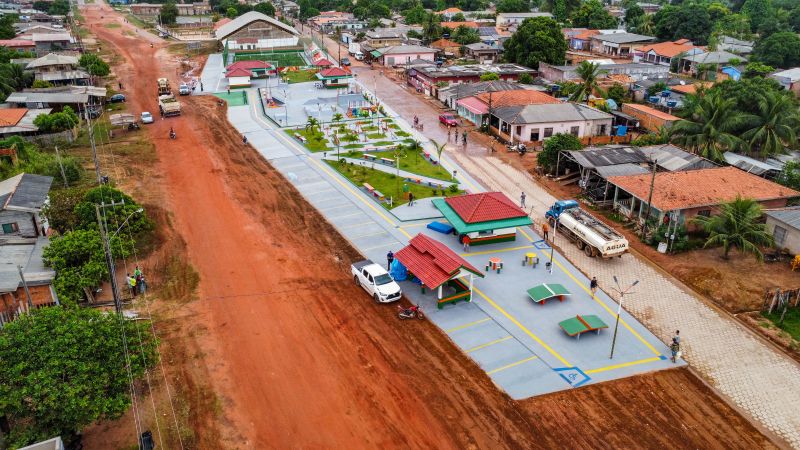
x: 621, y: 293
x: 555, y: 228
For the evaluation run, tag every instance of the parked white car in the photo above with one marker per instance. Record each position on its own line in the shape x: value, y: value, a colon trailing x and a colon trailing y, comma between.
x: 376, y: 281
x: 147, y: 117
x: 184, y: 89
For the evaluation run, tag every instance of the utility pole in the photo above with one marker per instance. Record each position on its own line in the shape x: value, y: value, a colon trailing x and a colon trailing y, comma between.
x: 622, y: 293
x: 94, y: 147
x: 61, y: 166
x: 25, y: 286
x: 649, y: 198
x: 109, y: 257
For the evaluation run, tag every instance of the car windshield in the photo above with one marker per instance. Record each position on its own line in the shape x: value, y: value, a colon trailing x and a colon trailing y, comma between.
x: 383, y: 279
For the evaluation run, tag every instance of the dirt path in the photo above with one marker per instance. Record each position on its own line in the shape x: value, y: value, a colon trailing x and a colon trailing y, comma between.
x: 302, y: 359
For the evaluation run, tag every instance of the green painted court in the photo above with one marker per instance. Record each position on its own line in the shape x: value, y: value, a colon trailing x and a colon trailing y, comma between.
x: 282, y: 59
x: 235, y: 98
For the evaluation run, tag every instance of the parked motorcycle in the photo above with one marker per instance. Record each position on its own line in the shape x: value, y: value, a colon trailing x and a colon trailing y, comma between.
x: 520, y: 148
x: 172, y: 134
x: 410, y: 313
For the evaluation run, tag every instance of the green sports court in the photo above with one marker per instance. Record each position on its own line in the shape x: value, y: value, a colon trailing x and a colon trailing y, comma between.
x: 281, y: 59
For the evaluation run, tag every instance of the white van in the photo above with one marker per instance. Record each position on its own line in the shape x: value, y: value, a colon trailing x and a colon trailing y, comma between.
x: 359, y: 56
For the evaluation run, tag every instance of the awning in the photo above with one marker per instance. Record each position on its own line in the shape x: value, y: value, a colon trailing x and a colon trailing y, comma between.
x: 375, y: 53
x: 474, y: 105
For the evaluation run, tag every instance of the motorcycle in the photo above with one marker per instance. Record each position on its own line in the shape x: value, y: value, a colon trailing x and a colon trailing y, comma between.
x: 410, y: 313
x: 172, y: 134
x: 520, y: 148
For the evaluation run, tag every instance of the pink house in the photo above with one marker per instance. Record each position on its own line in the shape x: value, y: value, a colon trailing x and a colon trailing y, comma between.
x: 398, y: 55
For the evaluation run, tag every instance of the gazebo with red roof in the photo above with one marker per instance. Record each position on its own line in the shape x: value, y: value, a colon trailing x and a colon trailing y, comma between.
x: 323, y: 62
x: 438, y: 267
x: 334, y: 77
x: 483, y: 218
x: 256, y: 68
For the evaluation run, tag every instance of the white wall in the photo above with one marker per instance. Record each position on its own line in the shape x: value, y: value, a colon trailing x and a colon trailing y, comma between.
x: 791, y: 240
x: 585, y: 129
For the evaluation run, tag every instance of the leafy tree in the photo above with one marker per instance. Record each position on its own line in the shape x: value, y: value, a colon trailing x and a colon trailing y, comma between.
x: 265, y: 8
x: 774, y: 126
x: 757, y: 11
x: 747, y: 92
x: 7, y: 22
x: 231, y: 13
x: 41, y: 84
x: 657, y: 138
x: 643, y: 25
x: 312, y: 124
x: 169, y: 13
x: 632, y: 14
x: 617, y: 93
x: 553, y: 145
x: 13, y: 78
x: 59, y: 7
x: 790, y: 175
x: 656, y: 88
x: 794, y: 19
x: 690, y: 21
x: 589, y: 72
x: 41, y: 5
x: 431, y: 28
x: 465, y: 35
x: 756, y: 69
x: 734, y: 25
x: 415, y: 15
x: 537, y: 39
x: 7, y: 54
x: 57, y: 122
x: 94, y: 65
x: 31, y: 160
x: 307, y: 9
x: 709, y: 130
x: 62, y: 369
x: 458, y: 17
x: 513, y: 6
x: 592, y: 14
x: 772, y: 25
x: 779, y: 50
x: 525, y: 78
x: 129, y: 214
x: 491, y: 76
x: 60, y: 211
x: 737, y: 226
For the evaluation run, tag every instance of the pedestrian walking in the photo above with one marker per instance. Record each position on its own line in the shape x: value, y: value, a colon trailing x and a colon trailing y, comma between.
x: 244, y: 140
x: 138, y: 276
x: 522, y: 200
x: 389, y: 259
x: 120, y: 84
x: 131, y: 284
x: 229, y: 91
x: 201, y: 86
x: 593, y: 285
x: 677, y: 337
x: 675, y: 349
x: 142, y: 285
x: 449, y: 131
x: 465, y: 241
x: 545, y: 231
x: 410, y: 199
x: 455, y: 174
x: 464, y: 137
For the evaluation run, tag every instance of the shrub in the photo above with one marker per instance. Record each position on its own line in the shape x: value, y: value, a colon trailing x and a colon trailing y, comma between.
x: 94, y: 65
x: 57, y: 122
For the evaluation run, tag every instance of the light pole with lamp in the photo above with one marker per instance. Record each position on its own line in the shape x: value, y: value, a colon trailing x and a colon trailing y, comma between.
x: 621, y: 293
x: 107, y: 248
x: 555, y: 228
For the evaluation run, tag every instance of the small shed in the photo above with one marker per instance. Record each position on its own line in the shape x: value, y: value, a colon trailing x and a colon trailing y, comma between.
x: 483, y: 218
x: 650, y: 118
x: 439, y: 268
x: 238, y: 78
x: 784, y: 226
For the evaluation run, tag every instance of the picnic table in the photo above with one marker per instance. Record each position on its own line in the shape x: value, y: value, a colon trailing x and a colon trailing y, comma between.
x: 495, y: 263
x: 541, y: 293
x: 576, y: 326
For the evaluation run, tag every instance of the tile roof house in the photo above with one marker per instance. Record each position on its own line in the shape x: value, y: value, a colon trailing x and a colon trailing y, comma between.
x: 664, y: 52
x: 436, y: 266
x: 582, y: 40
x: 19, y: 121
x: 693, y: 192
x: 518, y: 97
x: 398, y: 55
x: 535, y: 123
x: 483, y: 218
x: 483, y: 53
x: 451, y: 94
x: 649, y: 118
x: 447, y: 46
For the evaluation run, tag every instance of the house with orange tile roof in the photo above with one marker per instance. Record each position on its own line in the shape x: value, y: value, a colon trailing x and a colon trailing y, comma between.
x: 581, y: 39
x: 454, y: 25
x: 686, y: 194
x: 19, y: 121
x: 447, y: 46
x: 649, y: 118
x: 664, y: 52
x: 448, y: 14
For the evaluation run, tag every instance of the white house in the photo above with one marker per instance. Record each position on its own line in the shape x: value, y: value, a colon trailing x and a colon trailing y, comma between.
x: 256, y: 31
x: 784, y: 225
x: 506, y: 20
x: 536, y: 123
x: 398, y: 55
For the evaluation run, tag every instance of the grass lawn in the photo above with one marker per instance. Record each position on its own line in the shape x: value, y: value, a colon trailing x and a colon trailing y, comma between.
x: 351, y: 146
x: 282, y: 59
x: 791, y: 322
x: 388, y: 184
x: 370, y: 128
x: 401, y: 133
x: 376, y: 136
x: 315, y: 141
x: 300, y: 76
x: 411, y: 163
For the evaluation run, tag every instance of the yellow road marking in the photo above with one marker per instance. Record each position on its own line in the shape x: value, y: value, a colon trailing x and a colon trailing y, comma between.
x: 467, y: 325
x: 414, y: 225
x: 512, y: 365
x: 486, y: 252
x: 619, y: 366
x: 522, y: 327
x: 496, y: 341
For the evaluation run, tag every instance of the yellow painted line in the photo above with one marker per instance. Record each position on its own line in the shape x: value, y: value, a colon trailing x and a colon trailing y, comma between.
x: 522, y: 361
x: 486, y: 252
x: 522, y: 230
x: 414, y: 225
x: 522, y: 327
x: 496, y: 341
x: 610, y: 311
x: 467, y: 325
x: 619, y: 366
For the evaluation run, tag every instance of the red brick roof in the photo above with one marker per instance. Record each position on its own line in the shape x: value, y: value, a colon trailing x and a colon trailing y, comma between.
x: 431, y: 261
x: 517, y: 97
x: 11, y: 43
x: 221, y: 22
x: 484, y: 207
x: 703, y: 187
x: 651, y: 111
x: 324, y: 62
x: 249, y: 65
x: 334, y: 72
x: 668, y: 49
x: 9, y: 117
x: 238, y: 73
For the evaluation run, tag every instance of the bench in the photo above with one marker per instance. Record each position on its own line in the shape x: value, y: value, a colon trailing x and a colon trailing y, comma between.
x: 379, y: 195
x: 370, y: 157
x: 543, y: 292
x: 576, y: 326
x: 300, y: 138
x: 369, y: 188
x: 388, y: 161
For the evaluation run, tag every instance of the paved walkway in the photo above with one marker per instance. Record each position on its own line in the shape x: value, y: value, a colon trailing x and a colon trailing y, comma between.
x: 760, y: 380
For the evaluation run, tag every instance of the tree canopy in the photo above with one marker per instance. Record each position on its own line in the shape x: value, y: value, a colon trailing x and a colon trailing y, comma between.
x: 687, y: 21
x: 737, y: 225
x: 537, y: 39
x: 779, y: 50
x: 265, y: 8
x: 62, y: 369
x: 57, y: 122
x: 553, y: 146
x: 513, y: 6
x: 592, y: 14
x: 465, y: 35
x: 169, y: 13
x: 94, y: 65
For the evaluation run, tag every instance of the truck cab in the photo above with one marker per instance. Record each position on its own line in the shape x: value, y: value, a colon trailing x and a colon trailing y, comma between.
x: 559, y: 207
x: 374, y: 279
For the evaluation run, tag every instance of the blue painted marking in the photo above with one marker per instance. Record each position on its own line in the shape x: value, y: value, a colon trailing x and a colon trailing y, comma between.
x: 662, y: 357
x: 573, y: 375
x: 541, y: 244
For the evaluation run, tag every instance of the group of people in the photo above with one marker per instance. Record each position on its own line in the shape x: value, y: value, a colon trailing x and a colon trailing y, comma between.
x: 136, y: 283
x: 417, y: 124
x: 450, y: 132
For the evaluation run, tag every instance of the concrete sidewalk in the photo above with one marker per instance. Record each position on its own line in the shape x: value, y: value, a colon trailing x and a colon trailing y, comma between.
x: 759, y: 379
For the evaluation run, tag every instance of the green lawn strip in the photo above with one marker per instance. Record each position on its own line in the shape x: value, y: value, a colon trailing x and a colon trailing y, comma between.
x: 315, y: 141
x: 376, y: 136
x: 388, y: 184
x: 401, y: 133
x: 791, y: 321
x: 350, y: 146
x: 301, y: 76
x: 410, y: 163
x: 369, y: 128
x: 394, y: 126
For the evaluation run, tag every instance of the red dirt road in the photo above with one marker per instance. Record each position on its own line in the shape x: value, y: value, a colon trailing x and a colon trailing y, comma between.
x: 301, y: 358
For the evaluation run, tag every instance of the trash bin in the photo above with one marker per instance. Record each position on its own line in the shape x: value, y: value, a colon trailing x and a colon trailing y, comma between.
x: 662, y: 247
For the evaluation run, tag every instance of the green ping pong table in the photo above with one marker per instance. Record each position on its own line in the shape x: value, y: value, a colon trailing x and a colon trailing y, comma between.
x: 576, y: 326
x: 543, y: 292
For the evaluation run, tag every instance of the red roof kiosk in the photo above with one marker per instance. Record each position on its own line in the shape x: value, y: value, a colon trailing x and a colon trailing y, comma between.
x: 483, y: 218
x: 437, y: 267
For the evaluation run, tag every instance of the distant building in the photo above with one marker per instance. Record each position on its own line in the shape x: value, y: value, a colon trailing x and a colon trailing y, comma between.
x: 535, y: 123
x: 447, y: 47
x: 58, y: 70
x: 399, y: 55
x: 22, y: 198
x: 256, y: 31
x: 447, y: 14
x: 427, y: 79
x: 483, y: 53
x: 184, y: 9
x: 52, y: 42
x: 649, y: 118
x: 507, y: 20
x: 633, y: 70
x: 735, y: 46
x: 476, y: 108
x: 664, y: 52
x: 19, y: 121
x: 784, y: 226
x: 717, y: 59
x: 20, y: 45
x: 789, y: 79
x: 580, y: 39
x: 451, y: 94
x: 618, y: 44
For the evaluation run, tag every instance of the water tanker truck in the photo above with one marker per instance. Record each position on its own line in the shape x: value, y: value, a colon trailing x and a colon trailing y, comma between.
x: 590, y: 235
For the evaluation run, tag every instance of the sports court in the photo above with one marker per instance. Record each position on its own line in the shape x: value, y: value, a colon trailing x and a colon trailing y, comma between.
x: 280, y: 59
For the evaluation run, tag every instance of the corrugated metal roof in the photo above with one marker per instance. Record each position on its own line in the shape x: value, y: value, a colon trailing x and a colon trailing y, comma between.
x: 246, y: 19
x: 549, y: 113
x: 610, y: 155
x: 789, y: 216
x: 25, y: 191
x: 751, y: 165
x: 673, y: 158
x: 620, y: 169
x: 28, y: 254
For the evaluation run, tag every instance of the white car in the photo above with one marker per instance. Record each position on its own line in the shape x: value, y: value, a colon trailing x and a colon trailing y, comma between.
x: 147, y: 117
x: 184, y: 89
x: 376, y: 281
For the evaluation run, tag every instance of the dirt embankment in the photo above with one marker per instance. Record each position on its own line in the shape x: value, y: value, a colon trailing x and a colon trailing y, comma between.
x: 299, y: 357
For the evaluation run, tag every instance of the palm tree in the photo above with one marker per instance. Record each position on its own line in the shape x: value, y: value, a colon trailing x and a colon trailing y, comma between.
x: 589, y: 72
x: 12, y: 78
x: 737, y: 225
x: 644, y: 25
x: 774, y: 126
x: 414, y: 147
x: 708, y: 130
x: 439, y: 149
x: 338, y: 116
x: 312, y: 123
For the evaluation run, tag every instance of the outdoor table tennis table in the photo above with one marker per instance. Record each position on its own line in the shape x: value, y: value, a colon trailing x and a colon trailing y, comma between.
x: 541, y: 293
x: 576, y: 326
